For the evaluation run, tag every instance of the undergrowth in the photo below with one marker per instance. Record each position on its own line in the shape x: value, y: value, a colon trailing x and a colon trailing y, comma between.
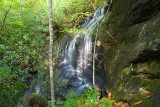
x: 89, y: 98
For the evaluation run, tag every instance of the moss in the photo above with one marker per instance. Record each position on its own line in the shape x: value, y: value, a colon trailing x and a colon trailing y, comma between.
x: 156, y: 68
x: 147, y: 102
x: 131, y: 38
x: 143, y: 82
x: 153, y: 86
x: 153, y: 72
x: 158, y: 35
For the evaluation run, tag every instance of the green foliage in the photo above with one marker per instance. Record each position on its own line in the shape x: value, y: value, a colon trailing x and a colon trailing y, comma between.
x: 11, y: 92
x: 88, y: 98
x: 152, y: 86
x: 22, y: 46
x: 125, y: 74
x: 107, y: 102
x: 69, y: 14
x: 10, y: 85
x: 92, y: 99
x: 143, y: 82
x: 24, y: 39
x: 73, y: 100
x: 50, y: 104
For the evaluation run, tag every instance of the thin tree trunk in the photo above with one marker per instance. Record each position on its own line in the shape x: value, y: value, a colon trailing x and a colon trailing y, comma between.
x: 94, y: 53
x: 21, y: 9
x: 51, y: 53
x: 6, y: 16
x: 94, y: 84
x: 94, y: 57
x: 21, y: 15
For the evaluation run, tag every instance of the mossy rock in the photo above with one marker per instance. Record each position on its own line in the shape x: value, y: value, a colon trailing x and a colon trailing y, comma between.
x: 154, y: 86
x: 152, y: 100
x: 132, y: 28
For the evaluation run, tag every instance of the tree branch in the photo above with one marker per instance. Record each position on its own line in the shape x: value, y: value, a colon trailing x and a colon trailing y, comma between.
x: 6, y: 16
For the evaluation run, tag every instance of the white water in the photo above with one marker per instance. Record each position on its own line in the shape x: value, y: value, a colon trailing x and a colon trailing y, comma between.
x: 78, y: 54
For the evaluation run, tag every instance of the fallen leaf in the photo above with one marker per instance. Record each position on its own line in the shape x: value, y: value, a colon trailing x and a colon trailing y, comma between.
x: 146, y: 92
x: 120, y: 104
x: 109, y: 94
x: 130, y: 94
x: 125, y: 105
x: 98, y: 43
x: 154, y: 23
x: 98, y: 96
x: 141, y: 89
x: 148, y: 96
x: 154, y: 33
x: 136, y: 103
x: 114, y: 104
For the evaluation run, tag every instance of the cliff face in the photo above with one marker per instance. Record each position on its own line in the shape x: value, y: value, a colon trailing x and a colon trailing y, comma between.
x: 130, y: 38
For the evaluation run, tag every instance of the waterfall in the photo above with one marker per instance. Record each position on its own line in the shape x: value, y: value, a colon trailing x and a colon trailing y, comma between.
x: 77, y: 63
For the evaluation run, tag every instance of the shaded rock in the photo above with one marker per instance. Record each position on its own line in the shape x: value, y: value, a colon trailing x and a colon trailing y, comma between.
x: 144, y: 10
x: 131, y: 48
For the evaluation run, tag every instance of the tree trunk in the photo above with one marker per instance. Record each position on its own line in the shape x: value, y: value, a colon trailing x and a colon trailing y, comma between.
x: 21, y: 9
x: 21, y: 16
x: 51, y: 53
x: 6, y: 16
x: 94, y: 53
x: 93, y: 76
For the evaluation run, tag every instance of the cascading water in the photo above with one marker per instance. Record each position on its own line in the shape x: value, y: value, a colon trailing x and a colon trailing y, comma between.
x: 77, y: 63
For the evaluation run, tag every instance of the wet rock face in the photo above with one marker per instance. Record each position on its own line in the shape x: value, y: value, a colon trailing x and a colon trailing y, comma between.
x: 76, y: 65
x: 130, y: 38
x: 75, y: 81
x: 144, y: 10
